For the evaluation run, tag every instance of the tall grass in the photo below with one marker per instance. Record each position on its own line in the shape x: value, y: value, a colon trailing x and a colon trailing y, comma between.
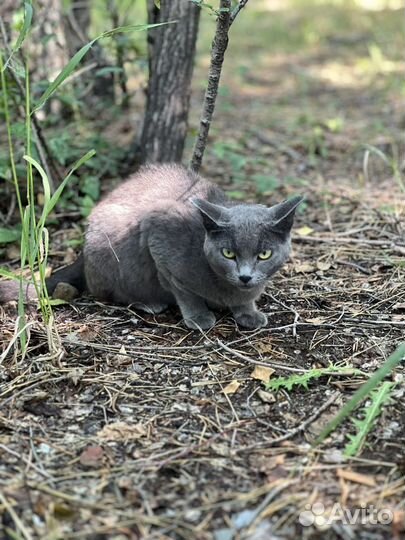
x: 34, y: 245
x: 362, y: 393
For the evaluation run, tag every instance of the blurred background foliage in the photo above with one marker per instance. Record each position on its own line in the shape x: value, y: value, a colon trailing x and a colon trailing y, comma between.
x: 289, y: 66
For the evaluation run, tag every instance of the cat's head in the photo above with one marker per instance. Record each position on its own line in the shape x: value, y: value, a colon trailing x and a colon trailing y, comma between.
x: 246, y: 244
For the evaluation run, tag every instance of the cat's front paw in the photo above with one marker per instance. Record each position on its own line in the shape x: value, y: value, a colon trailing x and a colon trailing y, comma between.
x: 202, y: 321
x: 254, y: 320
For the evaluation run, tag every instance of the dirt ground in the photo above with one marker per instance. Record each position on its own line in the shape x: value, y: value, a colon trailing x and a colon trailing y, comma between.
x: 137, y: 428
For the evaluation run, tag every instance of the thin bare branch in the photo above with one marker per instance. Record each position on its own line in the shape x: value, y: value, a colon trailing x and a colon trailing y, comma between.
x: 219, y: 45
x: 238, y: 8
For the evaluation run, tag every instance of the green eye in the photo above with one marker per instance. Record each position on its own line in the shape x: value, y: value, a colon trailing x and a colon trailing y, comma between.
x: 228, y: 254
x: 264, y: 255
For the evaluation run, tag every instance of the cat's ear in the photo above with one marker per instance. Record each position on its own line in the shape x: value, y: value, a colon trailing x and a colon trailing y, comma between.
x: 282, y: 215
x: 214, y: 216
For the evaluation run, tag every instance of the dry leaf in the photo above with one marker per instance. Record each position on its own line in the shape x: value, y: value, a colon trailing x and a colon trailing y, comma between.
x: 232, y: 387
x: 356, y: 477
x: 70, y: 256
x: 265, y: 346
x: 13, y: 252
x: 76, y: 375
x: 120, y: 431
x: 92, y: 457
x: 221, y: 449
x: 63, y: 511
x: 262, y: 373
x: 122, y: 354
x: 316, y: 320
x: 323, y: 265
x: 304, y: 268
x: 304, y: 231
x: 48, y: 272
x: 267, y: 397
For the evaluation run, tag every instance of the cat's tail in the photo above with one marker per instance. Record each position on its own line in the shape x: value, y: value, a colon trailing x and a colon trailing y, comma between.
x: 73, y: 275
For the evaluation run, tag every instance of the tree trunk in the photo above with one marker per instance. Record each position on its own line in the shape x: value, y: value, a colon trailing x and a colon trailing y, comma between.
x: 171, y: 51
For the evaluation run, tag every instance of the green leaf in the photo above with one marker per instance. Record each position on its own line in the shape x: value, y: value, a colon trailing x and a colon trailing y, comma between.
x: 9, y: 275
x: 265, y: 183
x: 64, y: 74
x: 303, y: 379
x: 77, y: 58
x: 56, y: 196
x: 379, y: 398
x: 106, y: 70
x: 364, y: 390
x: 24, y: 31
x: 56, y: 302
x: 8, y: 236
x: 45, y: 181
x: 28, y: 12
x: 91, y: 187
x: 235, y: 194
x: 86, y: 206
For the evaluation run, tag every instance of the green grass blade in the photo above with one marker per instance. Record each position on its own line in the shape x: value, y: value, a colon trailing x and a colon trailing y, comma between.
x: 55, y: 197
x: 303, y: 379
x: 64, y: 74
x: 9, y: 275
x: 44, y: 177
x: 28, y: 12
x: 363, y: 392
x: 77, y: 58
x: 379, y: 397
x: 9, y: 235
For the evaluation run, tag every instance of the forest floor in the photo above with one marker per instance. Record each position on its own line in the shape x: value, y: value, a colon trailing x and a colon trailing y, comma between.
x: 139, y: 428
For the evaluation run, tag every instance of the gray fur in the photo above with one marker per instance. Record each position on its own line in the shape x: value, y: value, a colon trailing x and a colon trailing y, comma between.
x: 157, y: 238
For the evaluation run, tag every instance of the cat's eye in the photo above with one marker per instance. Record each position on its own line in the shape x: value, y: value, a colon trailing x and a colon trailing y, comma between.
x: 228, y: 253
x: 264, y: 255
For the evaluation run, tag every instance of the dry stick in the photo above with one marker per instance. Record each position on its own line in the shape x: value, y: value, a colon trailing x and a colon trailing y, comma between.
x: 19, y: 525
x: 218, y: 49
x: 258, y: 362
x: 301, y: 427
x: 387, y: 244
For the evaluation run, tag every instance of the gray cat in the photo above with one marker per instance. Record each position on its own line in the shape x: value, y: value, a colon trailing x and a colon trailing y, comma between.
x: 167, y: 236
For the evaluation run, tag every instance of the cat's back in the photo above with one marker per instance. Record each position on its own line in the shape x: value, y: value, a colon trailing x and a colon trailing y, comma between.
x: 153, y: 183
x: 149, y: 189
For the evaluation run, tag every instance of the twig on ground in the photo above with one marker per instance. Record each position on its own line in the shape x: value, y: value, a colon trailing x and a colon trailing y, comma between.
x: 19, y: 525
x: 27, y: 461
x: 395, y: 248
x: 289, y: 308
x: 292, y: 432
x: 257, y: 362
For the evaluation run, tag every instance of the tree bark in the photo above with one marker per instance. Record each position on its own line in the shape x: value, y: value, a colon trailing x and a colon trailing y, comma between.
x: 171, y: 51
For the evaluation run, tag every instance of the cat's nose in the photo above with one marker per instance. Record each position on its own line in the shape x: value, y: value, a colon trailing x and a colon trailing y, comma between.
x: 245, y: 279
